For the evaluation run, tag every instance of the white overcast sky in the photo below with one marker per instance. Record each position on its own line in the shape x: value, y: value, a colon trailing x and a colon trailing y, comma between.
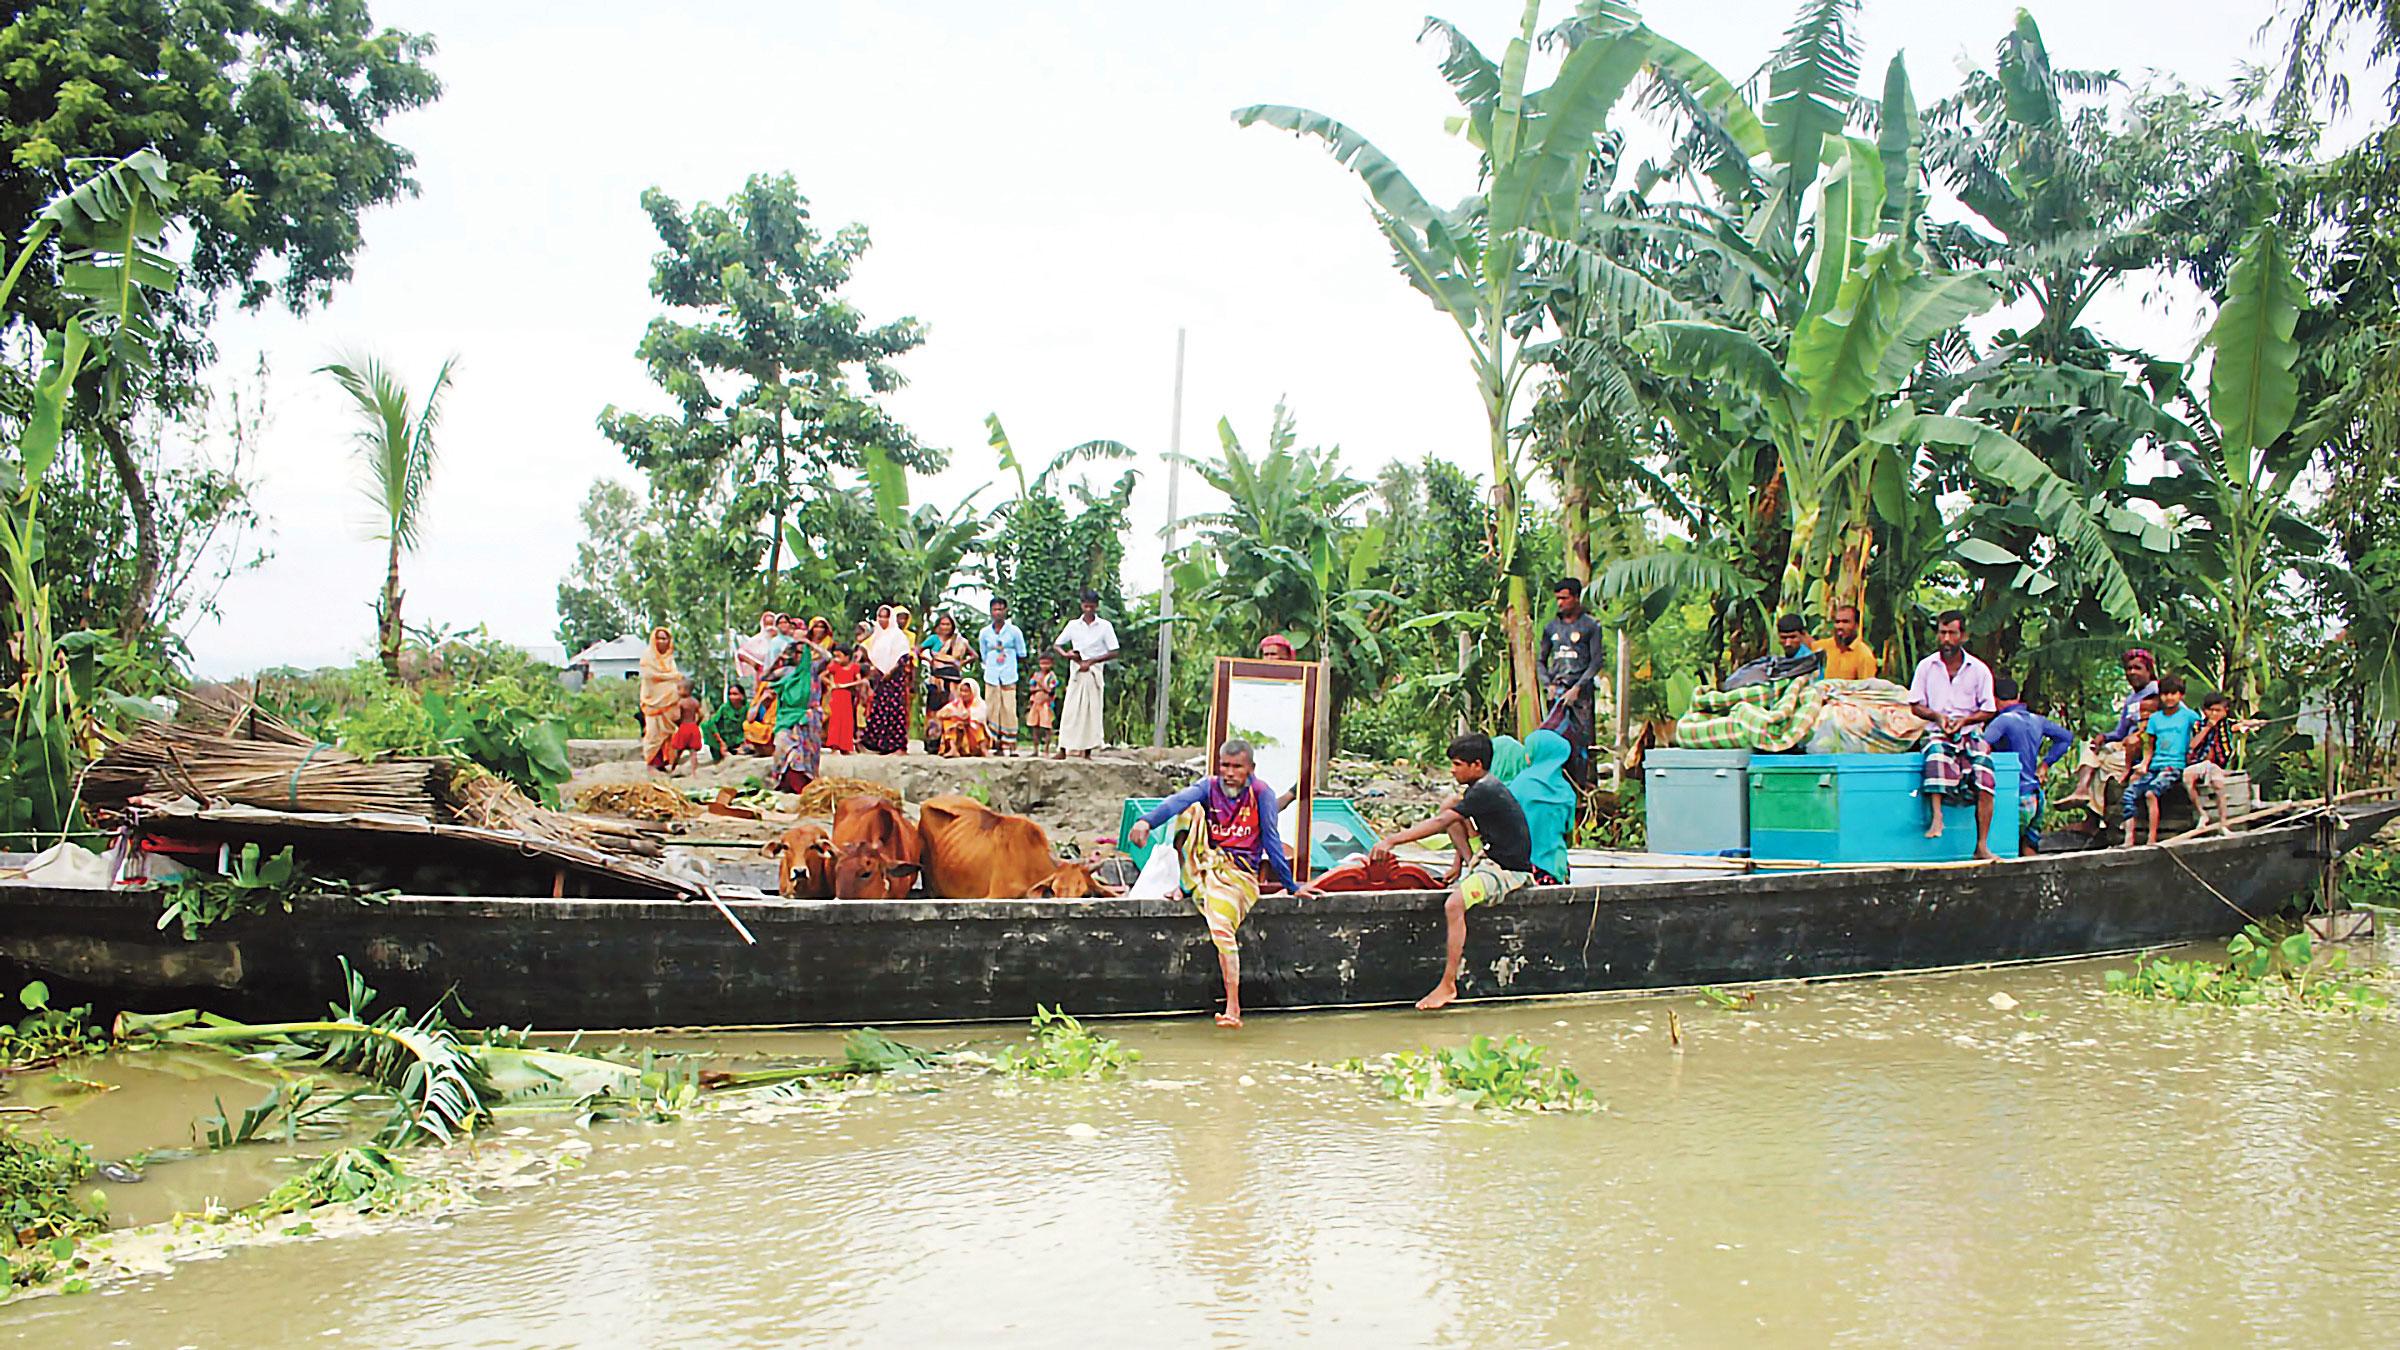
x: 1053, y: 188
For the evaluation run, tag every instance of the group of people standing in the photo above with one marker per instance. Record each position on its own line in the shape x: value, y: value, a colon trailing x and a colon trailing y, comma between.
x: 800, y: 690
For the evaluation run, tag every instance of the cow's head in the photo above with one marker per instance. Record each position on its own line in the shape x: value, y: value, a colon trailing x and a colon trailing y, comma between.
x: 804, y: 860
x: 1072, y: 881
x: 866, y: 872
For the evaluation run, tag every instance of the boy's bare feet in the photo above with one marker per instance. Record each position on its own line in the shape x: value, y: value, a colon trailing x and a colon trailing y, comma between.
x: 1231, y: 1017
x: 1443, y: 995
x: 1983, y: 853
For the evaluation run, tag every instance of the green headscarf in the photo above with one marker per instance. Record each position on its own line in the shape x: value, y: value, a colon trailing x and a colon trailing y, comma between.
x: 1508, y: 758
x: 793, y: 691
x: 1549, y: 801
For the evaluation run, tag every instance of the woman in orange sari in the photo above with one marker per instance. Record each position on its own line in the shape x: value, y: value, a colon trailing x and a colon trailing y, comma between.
x: 958, y: 726
x: 661, y: 691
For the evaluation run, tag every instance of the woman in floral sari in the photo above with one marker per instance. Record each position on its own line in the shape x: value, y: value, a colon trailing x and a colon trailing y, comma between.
x: 890, y: 666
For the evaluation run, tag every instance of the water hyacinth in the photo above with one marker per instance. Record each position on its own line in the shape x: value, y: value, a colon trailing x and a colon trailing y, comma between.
x: 1485, y: 1074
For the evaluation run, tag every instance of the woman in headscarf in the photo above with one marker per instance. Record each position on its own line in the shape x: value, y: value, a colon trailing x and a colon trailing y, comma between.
x: 904, y: 620
x: 957, y: 727
x: 799, y: 718
x: 1508, y: 758
x: 750, y: 658
x: 820, y: 636
x: 661, y: 691
x: 946, y: 656
x: 889, y: 666
x: 1542, y: 789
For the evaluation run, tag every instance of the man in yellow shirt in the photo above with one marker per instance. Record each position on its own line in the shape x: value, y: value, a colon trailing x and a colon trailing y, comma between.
x: 1847, y: 658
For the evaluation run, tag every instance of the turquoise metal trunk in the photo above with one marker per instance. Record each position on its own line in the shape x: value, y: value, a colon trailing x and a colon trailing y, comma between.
x: 1867, y: 808
x: 1696, y: 801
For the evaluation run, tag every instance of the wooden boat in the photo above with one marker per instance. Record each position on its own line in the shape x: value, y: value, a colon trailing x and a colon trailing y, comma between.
x: 630, y: 962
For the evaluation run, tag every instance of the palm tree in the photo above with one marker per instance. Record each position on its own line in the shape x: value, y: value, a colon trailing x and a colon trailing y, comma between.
x: 395, y: 443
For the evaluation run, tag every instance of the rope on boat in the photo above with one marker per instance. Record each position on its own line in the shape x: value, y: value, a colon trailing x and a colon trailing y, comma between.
x: 2187, y: 871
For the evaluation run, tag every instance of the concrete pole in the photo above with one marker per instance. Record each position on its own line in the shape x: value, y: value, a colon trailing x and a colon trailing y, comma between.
x: 1166, y: 588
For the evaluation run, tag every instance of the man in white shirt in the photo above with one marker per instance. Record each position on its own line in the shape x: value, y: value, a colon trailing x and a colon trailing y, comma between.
x: 1089, y: 643
x: 1953, y: 692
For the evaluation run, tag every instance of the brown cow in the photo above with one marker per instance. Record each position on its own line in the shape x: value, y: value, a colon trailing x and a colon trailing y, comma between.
x: 973, y: 852
x: 875, y: 850
x: 804, y: 862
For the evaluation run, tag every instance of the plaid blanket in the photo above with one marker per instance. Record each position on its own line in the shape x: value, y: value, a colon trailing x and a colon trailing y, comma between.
x: 1819, y: 716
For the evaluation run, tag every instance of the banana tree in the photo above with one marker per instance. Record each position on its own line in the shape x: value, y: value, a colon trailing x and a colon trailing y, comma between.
x: 1867, y: 304
x: 1039, y: 484
x: 109, y: 229
x: 2237, y: 474
x: 1535, y: 148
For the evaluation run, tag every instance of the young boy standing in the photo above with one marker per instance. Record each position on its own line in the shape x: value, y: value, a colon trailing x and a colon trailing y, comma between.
x: 2168, y: 737
x: 1504, y: 868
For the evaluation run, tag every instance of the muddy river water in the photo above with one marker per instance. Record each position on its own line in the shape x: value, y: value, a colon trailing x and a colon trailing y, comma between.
x: 1869, y: 1161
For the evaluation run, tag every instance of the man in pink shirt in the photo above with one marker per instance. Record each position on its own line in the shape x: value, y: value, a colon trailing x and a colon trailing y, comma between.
x: 1953, y: 693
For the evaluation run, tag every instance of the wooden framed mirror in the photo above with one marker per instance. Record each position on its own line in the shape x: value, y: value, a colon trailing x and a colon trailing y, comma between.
x: 1273, y: 705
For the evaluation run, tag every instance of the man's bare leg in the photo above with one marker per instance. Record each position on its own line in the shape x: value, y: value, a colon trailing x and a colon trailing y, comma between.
x: 1230, y: 962
x: 1454, y: 953
x: 2082, y: 791
x: 1933, y: 804
x: 1983, y: 827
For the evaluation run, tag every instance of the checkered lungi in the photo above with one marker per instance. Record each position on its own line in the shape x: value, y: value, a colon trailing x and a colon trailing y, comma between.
x: 1958, y: 765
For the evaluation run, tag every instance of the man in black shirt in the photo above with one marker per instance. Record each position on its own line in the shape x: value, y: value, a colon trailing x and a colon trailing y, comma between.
x: 1505, y: 867
x: 1571, y: 657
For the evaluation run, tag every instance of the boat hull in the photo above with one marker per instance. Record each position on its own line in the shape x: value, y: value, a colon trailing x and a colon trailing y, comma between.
x: 611, y: 963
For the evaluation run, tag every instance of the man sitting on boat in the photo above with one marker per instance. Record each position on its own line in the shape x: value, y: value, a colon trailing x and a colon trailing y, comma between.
x: 1505, y: 867
x: 1226, y: 831
x: 1953, y: 694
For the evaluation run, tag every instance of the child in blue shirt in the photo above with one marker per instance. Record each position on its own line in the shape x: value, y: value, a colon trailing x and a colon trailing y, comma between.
x: 2168, y: 734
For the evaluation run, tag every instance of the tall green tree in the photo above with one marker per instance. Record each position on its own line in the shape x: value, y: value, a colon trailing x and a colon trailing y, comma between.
x: 1058, y: 538
x: 268, y: 115
x: 602, y: 598
x: 1534, y: 149
x: 774, y: 373
x: 396, y: 452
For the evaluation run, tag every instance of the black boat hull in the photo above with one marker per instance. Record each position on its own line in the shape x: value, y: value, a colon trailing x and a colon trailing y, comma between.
x: 652, y: 963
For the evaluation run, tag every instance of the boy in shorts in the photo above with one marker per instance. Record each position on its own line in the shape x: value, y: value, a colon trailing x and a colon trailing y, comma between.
x: 1504, y: 868
x: 2167, y: 743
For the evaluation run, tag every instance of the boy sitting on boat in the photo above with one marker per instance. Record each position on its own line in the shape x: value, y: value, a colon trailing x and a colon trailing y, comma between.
x: 1504, y: 867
